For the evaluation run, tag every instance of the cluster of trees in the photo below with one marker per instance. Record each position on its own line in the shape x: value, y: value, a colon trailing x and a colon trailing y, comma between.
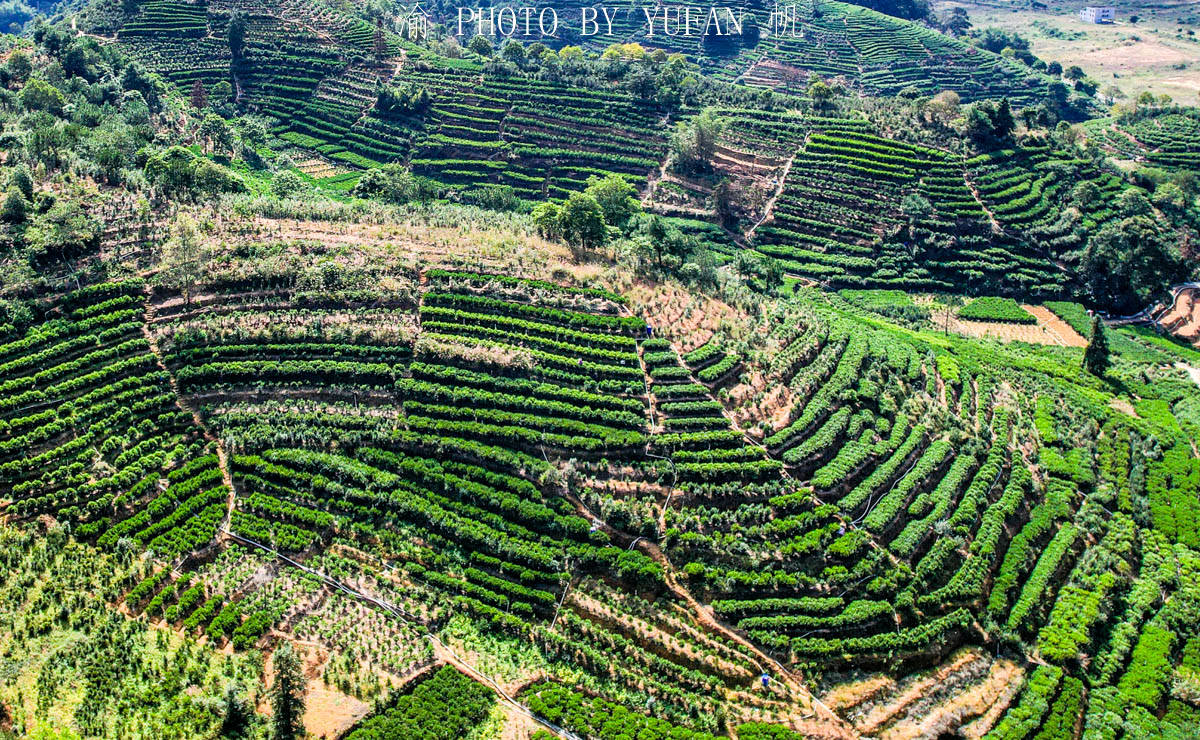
x: 590, y: 219
x: 401, y: 99
x: 655, y: 77
x: 394, y: 183
x: 74, y: 109
x: 1128, y: 263
x: 693, y: 142
x: 989, y: 124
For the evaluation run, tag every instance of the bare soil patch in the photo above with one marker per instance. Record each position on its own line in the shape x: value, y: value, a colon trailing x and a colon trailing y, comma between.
x: 1049, y: 329
x: 1057, y: 328
x: 328, y: 713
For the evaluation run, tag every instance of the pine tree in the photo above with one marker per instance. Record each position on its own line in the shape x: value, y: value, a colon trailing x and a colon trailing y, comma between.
x: 1095, y: 357
x: 1002, y: 120
x: 13, y: 211
x: 380, y: 42
x: 287, y: 695
x: 199, y: 96
x: 235, y: 719
x: 236, y: 35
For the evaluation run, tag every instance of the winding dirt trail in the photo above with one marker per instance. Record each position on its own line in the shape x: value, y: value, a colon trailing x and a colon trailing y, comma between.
x: 827, y: 723
x: 184, y: 405
x: 769, y: 206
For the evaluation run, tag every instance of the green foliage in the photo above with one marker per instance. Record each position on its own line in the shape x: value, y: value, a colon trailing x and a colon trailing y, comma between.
x: 444, y: 706
x: 394, y: 184
x: 599, y: 718
x: 39, y: 95
x: 996, y: 309
x: 180, y: 171
x: 401, y: 100
x: 1095, y: 356
x: 287, y: 694
x: 1025, y: 717
x: 1128, y: 263
x: 693, y: 141
x: 581, y: 222
x: 616, y: 198
x: 14, y: 210
x: 287, y: 184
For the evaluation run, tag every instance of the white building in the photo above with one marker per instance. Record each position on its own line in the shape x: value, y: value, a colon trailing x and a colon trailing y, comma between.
x: 1098, y: 14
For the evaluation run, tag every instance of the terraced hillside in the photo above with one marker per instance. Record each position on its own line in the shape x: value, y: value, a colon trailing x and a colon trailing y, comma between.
x: 503, y: 460
x: 883, y: 56
x: 1161, y: 137
x: 780, y: 46
x: 315, y: 70
x: 839, y: 201
x: 833, y: 197
x: 524, y: 393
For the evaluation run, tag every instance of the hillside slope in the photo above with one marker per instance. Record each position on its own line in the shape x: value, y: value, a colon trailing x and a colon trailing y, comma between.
x: 517, y: 452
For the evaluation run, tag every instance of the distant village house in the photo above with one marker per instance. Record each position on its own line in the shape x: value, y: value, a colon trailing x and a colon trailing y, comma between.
x: 1098, y: 14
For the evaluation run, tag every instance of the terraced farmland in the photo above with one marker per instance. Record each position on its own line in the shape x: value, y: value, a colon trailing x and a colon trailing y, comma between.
x: 1162, y: 137
x: 367, y: 386
x: 508, y: 451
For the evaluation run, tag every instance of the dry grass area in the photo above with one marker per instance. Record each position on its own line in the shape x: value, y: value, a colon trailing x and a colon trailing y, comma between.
x: 328, y: 713
x: 687, y: 319
x: 400, y: 246
x: 1153, y: 54
x: 985, y: 700
x: 760, y: 400
x: 1122, y: 405
x: 964, y: 696
x: 849, y: 695
x: 517, y: 725
x: 318, y: 167
x: 432, y: 245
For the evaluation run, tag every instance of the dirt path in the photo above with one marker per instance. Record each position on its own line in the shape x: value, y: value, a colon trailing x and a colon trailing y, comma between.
x: 828, y: 724
x: 651, y: 184
x: 448, y: 656
x: 769, y: 206
x: 184, y: 405
x: 1192, y: 371
x: 979, y: 199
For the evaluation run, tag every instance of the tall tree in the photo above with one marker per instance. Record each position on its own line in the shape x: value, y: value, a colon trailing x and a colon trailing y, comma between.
x: 1095, y: 357
x: 236, y: 35
x: 1002, y: 120
x: 199, y: 95
x: 287, y: 695
x: 582, y: 223
x: 693, y: 141
x: 235, y: 714
x: 380, y: 42
x: 184, y: 256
